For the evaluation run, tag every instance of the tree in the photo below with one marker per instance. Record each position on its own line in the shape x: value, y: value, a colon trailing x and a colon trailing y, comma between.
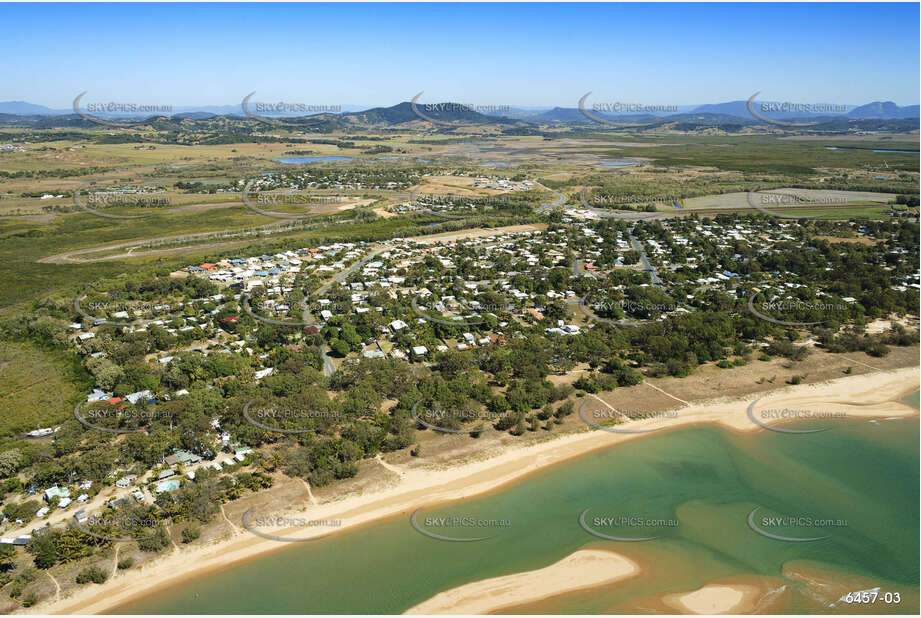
x: 156, y: 541
x: 339, y: 347
x: 191, y: 532
x: 7, y: 554
x: 10, y: 461
x: 43, y: 549
x: 107, y: 373
x: 564, y: 410
x: 92, y: 574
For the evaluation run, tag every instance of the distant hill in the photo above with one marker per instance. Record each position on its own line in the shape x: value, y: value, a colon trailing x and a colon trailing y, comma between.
x: 561, y: 114
x: 520, y: 120
x: 519, y: 113
x: 22, y: 108
x: 732, y: 108
x: 194, y: 115
x: 885, y: 110
x: 403, y: 113
x: 570, y: 115
x: 740, y: 109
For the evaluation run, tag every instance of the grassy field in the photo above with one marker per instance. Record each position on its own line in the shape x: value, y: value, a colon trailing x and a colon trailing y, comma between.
x: 37, y: 388
x: 680, y: 165
x: 857, y: 212
x: 768, y: 154
x: 22, y: 244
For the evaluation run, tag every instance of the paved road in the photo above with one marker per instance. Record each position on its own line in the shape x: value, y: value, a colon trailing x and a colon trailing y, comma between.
x: 588, y: 311
x: 626, y: 216
x: 328, y: 368
x: 340, y: 277
x: 645, y: 260
x: 560, y: 199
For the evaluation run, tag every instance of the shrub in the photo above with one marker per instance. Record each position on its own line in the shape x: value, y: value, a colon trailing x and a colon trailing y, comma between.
x: 92, y: 574
x: 191, y: 533
x: 154, y: 542
x: 564, y: 410
x: 26, y: 577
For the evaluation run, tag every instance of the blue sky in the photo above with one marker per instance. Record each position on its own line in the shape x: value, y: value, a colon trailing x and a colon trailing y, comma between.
x: 489, y: 54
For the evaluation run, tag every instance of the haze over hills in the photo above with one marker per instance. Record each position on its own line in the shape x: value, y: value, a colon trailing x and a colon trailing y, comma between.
x: 732, y: 115
x: 875, y: 109
x: 886, y: 109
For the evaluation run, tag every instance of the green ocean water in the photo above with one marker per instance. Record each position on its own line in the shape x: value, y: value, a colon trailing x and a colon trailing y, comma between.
x: 709, y: 480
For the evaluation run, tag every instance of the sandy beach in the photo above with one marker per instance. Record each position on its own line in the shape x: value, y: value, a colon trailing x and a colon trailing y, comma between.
x: 579, y: 570
x: 715, y: 599
x: 865, y: 396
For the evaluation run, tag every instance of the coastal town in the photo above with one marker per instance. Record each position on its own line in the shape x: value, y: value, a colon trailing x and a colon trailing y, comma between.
x: 625, y: 321
x: 416, y: 300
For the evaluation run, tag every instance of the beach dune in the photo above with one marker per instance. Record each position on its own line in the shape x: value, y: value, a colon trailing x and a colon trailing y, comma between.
x: 715, y: 599
x: 865, y: 396
x: 586, y: 568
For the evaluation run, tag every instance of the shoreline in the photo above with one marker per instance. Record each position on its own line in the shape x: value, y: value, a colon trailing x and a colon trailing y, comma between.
x: 425, y: 487
x: 581, y: 570
x: 715, y: 598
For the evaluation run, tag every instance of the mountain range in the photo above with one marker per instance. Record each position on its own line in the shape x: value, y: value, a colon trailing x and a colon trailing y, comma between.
x: 693, y: 116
